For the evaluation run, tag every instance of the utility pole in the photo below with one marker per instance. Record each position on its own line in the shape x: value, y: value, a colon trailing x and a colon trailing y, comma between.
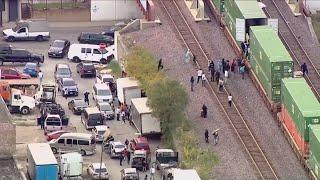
x: 1, y: 8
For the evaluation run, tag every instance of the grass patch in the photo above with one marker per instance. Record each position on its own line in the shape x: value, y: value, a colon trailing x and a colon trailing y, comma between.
x: 42, y: 6
x: 115, y: 67
x: 315, y: 18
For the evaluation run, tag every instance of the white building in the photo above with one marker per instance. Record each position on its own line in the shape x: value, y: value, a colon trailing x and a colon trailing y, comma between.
x: 312, y: 5
x: 11, y: 10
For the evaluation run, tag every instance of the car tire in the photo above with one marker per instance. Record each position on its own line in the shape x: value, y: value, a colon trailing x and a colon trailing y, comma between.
x: 11, y: 39
x: 54, y: 150
x: 39, y: 38
x: 1, y: 61
x: 25, y: 110
x: 76, y: 59
x: 81, y: 75
x: 82, y: 152
x: 103, y: 61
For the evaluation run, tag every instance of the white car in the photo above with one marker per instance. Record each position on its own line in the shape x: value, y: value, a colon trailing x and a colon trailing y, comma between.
x: 102, y: 93
x: 90, y: 52
x: 95, y: 172
x: 116, y: 149
x: 98, y: 132
x: 104, y: 78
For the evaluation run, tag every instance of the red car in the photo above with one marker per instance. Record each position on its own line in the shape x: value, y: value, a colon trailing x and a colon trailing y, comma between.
x: 55, y: 134
x: 139, y: 143
x: 12, y: 73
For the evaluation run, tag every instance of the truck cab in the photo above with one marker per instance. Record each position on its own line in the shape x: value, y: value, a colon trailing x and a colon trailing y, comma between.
x: 166, y: 158
x: 19, y: 103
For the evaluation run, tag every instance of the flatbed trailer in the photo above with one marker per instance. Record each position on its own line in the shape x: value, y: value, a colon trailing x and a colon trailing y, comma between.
x: 28, y: 87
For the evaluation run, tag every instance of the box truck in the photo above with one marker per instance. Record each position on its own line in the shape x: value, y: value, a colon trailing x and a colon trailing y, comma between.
x: 70, y: 166
x: 128, y: 88
x: 41, y: 163
x: 180, y: 174
x: 143, y: 119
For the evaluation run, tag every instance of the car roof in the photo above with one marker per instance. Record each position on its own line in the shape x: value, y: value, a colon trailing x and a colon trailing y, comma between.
x: 164, y: 150
x: 61, y: 65
x: 87, y: 63
x: 67, y: 79
x: 117, y: 143
x: 141, y: 140
x: 53, y: 115
x: 101, y: 86
x: 92, y: 110
x: 104, y: 103
x: 130, y: 170
x: 78, y: 135
x: 97, y: 166
x: 106, y: 76
x: 101, y: 128
x: 60, y: 40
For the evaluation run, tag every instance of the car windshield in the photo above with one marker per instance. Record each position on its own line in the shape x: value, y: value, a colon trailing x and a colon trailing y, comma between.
x: 105, y: 107
x: 101, y: 132
x: 104, y: 92
x: 100, y: 170
x: 58, y: 44
x: 142, y: 146
x: 69, y: 83
x: 88, y: 66
x: 31, y: 66
x: 80, y: 103
x: 131, y: 177
x: 63, y: 71
x: 107, y: 80
x: 95, y: 116
x: 119, y: 146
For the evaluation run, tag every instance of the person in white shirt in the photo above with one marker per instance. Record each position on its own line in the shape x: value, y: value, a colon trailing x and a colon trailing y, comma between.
x: 152, y: 172
x: 203, y: 77
x: 230, y: 100
x: 199, y: 74
x: 40, y: 75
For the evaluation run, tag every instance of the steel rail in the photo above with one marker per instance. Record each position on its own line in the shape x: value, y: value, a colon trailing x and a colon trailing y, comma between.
x: 237, y: 121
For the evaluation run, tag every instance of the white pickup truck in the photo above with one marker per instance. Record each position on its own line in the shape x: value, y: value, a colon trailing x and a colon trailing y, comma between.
x: 28, y: 30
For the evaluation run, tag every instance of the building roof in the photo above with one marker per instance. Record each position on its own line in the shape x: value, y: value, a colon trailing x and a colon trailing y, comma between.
x: 271, y: 43
x: 315, y: 130
x: 4, y: 112
x: 181, y: 174
x: 127, y: 82
x: 42, y: 154
x: 303, y: 96
x: 141, y: 105
x: 250, y: 9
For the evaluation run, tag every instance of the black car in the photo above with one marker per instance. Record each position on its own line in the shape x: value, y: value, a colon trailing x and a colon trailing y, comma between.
x: 111, y: 30
x: 77, y: 106
x: 68, y: 87
x: 9, y: 54
x: 86, y: 69
x: 95, y: 38
x: 59, y: 48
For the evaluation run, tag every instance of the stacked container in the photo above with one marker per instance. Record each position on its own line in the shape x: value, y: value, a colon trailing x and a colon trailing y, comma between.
x: 269, y: 59
x: 314, y: 142
x: 299, y: 109
x: 248, y: 10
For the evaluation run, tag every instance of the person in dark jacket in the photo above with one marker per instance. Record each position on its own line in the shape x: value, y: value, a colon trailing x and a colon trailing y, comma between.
x: 211, y: 70
x: 192, y: 82
x: 304, y: 68
x: 206, y: 136
x: 204, y: 111
x: 217, y: 75
x: 86, y: 97
x: 160, y: 66
x: 121, y: 159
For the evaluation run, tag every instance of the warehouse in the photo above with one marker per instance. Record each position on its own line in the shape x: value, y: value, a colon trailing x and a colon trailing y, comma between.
x: 10, y: 10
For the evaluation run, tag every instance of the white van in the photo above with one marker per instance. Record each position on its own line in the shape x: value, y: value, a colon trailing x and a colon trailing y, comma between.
x: 52, y: 123
x: 101, y: 93
x: 74, y: 142
x: 90, y: 52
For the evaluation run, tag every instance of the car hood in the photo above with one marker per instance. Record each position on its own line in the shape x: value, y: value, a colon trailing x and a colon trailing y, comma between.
x: 118, y: 150
x: 107, y: 112
x: 70, y: 87
x: 26, y: 76
x: 55, y: 49
x: 8, y: 31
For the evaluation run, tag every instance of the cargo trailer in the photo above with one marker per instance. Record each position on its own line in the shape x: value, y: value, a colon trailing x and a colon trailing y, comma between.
x: 70, y: 166
x: 143, y: 119
x: 314, y: 141
x: 303, y: 107
x: 127, y: 88
x: 41, y: 163
x: 269, y: 60
x: 239, y: 15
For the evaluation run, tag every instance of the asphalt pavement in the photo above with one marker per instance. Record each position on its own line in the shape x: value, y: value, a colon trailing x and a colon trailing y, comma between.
x: 120, y: 131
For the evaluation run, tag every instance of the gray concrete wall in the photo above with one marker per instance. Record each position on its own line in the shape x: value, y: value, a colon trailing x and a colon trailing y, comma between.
x: 5, y: 14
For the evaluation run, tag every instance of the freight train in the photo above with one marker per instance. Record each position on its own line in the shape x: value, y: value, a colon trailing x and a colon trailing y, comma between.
x: 271, y: 68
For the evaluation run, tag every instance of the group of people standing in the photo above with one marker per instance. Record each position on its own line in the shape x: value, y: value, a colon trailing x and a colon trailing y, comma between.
x: 123, y: 111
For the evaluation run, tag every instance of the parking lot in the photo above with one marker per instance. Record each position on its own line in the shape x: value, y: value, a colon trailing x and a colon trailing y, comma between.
x: 31, y: 133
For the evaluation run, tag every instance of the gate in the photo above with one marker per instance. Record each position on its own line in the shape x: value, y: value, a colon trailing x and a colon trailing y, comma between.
x: 25, y: 10
x: 61, y: 10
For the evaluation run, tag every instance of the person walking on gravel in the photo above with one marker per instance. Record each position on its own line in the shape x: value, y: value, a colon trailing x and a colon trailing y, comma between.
x: 220, y: 84
x: 211, y: 70
x: 304, y: 69
x: 204, y: 111
x: 217, y: 76
x: 220, y: 65
x: 160, y: 66
x: 203, y: 78
x: 86, y: 97
x: 242, y: 70
x: 192, y: 82
x: 199, y: 75
x: 230, y: 100
x: 40, y: 75
x: 206, y: 136
x: 215, y: 137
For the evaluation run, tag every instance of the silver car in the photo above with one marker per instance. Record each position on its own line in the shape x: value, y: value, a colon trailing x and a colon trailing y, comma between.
x: 95, y: 172
x: 106, y: 110
x: 62, y: 71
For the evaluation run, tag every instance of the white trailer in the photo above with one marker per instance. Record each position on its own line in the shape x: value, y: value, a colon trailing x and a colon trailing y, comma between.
x: 143, y: 119
x: 128, y: 88
x: 181, y: 174
x: 71, y: 166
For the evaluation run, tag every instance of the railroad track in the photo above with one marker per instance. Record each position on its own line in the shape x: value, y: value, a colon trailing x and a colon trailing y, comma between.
x: 237, y: 121
x: 294, y: 46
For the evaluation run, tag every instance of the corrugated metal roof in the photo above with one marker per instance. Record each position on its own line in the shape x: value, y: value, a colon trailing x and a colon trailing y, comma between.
x: 127, y: 82
x: 271, y: 43
x: 4, y: 112
x: 250, y: 9
x: 316, y: 130
x: 303, y: 96
x: 141, y: 105
x: 39, y: 152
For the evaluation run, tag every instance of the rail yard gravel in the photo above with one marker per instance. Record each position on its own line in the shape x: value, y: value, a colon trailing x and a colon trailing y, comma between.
x: 163, y: 42
x: 245, y: 94
x: 299, y: 26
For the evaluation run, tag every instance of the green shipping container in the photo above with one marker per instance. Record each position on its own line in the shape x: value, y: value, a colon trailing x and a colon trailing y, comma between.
x: 301, y: 103
x: 248, y: 10
x: 267, y: 49
x: 314, y: 144
x: 219, y: 4
x: 272, y: 90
